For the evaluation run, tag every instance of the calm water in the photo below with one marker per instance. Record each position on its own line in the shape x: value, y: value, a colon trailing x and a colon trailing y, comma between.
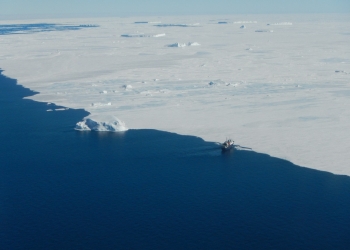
x: 9, y: 29
x: 146, y: 189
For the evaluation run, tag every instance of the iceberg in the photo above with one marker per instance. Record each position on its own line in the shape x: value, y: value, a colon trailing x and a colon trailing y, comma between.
x: 101, y: 123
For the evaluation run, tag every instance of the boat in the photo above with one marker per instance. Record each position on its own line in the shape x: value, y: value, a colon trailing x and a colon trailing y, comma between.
x: 227, y: 145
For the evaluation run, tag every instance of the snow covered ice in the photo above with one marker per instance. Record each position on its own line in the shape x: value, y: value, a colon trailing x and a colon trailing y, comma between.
x: 285, y: 93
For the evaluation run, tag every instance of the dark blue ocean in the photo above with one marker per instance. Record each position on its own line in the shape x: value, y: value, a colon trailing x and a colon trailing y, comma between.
x: 147, y: 189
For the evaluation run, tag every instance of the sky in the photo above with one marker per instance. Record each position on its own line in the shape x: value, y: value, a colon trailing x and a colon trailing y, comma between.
x: 101, y: 8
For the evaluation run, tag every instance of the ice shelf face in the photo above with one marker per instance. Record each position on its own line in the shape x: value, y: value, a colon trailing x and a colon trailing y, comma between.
x: 285, y: 93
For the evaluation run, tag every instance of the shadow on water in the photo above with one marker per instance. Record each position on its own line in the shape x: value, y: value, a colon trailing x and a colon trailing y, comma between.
x: 147, y: 189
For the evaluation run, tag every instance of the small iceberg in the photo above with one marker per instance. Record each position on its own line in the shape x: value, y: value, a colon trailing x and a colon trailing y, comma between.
x: 101, y: 123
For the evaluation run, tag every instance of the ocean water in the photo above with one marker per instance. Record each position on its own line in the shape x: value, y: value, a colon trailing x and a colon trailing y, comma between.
x: 10, y: 29
x: 148, y: 189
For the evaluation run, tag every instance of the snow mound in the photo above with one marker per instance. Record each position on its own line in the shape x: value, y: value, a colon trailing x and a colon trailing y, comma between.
x: 158, y: 35
x: 177, y: 25
x: 193, y: 44
x: 217, y: 83
x: 341, y: 71
x: 127, y: 87
x: 177, y: 45
x: 101, y: 123
x: 264, y: 31
x: 142, y: 35
x: 100, y: 104
x: 245, y: 22
x: 283, y: 23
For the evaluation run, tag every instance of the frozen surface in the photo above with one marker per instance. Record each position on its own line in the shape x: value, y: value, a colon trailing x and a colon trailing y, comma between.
x: 285, y: 93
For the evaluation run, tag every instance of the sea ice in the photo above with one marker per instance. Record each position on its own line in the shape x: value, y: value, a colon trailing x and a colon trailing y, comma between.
x: 270, y: 85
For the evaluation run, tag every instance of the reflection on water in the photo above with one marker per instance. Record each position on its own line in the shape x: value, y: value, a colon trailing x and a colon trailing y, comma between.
x: 147, y: 189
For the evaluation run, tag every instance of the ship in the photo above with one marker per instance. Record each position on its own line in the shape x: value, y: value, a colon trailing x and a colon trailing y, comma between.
x: 227, y: 145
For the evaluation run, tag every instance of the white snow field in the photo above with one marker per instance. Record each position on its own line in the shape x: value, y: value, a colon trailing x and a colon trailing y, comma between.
x: 285, y: 93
